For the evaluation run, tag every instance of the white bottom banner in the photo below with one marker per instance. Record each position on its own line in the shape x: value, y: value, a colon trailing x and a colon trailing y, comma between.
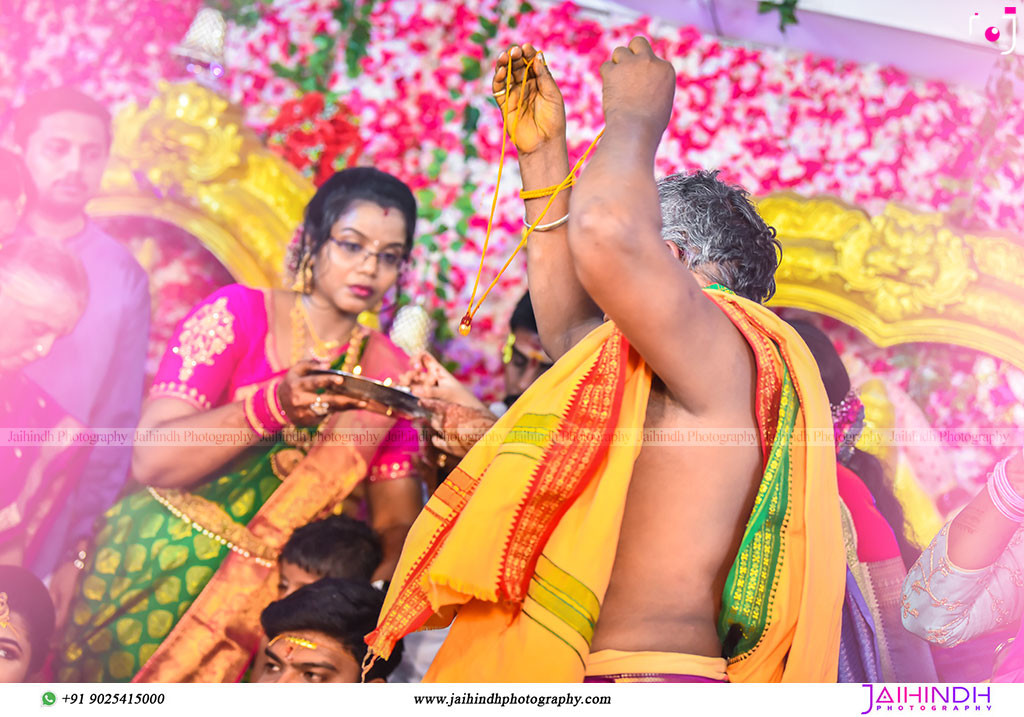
x: 634, y: 700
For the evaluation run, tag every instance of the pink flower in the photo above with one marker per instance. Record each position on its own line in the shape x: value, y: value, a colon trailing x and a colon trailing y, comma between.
x: 769, y: 118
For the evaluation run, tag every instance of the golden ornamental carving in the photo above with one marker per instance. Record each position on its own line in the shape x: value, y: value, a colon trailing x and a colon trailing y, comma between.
x: 204, y: 336
x: 194, y: 134
x: 900, y: 276
x: 187, y: 158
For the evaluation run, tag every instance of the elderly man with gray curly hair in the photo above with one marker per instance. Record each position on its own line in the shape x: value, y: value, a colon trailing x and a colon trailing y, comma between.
x: 655, y: 507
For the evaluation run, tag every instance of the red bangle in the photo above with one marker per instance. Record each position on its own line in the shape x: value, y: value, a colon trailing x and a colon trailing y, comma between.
x: 264, y: 412
x: 274, y: 403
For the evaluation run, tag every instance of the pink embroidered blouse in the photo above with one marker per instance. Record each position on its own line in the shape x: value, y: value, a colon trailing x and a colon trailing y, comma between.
x: 224, y: 351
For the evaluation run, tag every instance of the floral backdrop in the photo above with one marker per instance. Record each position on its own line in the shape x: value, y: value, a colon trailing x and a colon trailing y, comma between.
x: 402, y: 85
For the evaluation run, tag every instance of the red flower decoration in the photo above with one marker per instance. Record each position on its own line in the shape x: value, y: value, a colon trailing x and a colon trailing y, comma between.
x: 315, y: 137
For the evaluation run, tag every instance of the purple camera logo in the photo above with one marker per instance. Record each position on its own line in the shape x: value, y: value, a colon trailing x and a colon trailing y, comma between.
x: 992, y: 34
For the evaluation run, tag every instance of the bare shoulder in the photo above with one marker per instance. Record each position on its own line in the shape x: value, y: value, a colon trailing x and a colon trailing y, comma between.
x: 719, y: 382
x: 682, y: 334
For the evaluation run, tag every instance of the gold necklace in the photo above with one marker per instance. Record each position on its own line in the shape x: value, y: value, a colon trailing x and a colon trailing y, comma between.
x: 355, y: 350
x: 302, y: 328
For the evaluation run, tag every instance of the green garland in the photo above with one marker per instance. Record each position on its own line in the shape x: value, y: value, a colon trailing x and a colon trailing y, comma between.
x: 785, y: 8
x: 313, y: 75
x: 245, y: 13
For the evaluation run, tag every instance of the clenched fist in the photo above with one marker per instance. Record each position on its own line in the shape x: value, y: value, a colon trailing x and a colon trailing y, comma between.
x: 638, y: 88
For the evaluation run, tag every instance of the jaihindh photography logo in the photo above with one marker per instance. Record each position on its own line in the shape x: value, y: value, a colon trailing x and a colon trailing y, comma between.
x: 928, y: 698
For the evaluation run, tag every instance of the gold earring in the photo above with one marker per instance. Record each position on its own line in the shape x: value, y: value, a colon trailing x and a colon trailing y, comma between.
x: 303, y: 283
x: 297, y: 280
x: 307, y: 276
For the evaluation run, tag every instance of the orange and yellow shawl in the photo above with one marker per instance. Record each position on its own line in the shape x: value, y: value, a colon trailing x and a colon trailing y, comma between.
x: 520, y: 539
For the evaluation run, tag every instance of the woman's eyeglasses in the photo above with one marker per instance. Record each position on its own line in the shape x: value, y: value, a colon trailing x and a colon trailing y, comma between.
x: 353, y: 251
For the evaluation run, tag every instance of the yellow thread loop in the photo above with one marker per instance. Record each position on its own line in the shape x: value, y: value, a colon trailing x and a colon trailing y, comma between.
x: 546, y: 191
x: 467, y: 321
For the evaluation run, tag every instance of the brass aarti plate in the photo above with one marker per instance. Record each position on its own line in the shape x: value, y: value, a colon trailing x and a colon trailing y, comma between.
x: 398, y: 400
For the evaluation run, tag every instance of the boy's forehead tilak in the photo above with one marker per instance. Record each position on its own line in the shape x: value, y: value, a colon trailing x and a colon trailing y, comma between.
x: 296, y: 642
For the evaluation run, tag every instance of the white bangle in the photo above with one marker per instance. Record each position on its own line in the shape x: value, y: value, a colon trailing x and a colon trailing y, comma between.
x: 1002, y: 494
x: 547, y: 227
x: 1008, y: 491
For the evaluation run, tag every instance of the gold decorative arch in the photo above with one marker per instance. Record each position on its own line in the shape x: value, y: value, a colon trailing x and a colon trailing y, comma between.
x: 186, y: 158
x: 901, y: 276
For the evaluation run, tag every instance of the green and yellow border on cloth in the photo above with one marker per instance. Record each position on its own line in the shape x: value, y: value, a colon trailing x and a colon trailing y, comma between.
x: 750, y: 587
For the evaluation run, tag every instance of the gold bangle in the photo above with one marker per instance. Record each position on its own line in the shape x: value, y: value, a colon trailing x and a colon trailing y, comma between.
x: 253, y: 420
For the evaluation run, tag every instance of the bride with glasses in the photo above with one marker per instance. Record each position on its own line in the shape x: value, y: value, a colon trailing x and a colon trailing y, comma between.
x: 250, y: 442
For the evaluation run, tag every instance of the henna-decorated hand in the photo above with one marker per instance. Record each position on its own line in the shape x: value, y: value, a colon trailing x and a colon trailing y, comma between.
x: 429, y: 379
x: 299, y: 398
x: 457, y: 427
